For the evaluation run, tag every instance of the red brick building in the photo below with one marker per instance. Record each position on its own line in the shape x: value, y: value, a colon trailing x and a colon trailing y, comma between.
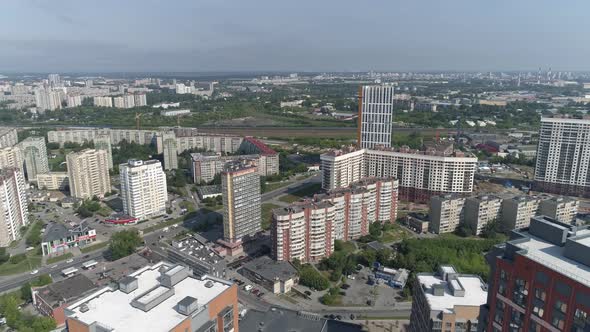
x: 540, y: 279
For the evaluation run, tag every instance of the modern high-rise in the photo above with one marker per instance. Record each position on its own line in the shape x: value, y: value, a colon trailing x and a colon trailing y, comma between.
x: 170, y: 152
x: 47, y: 100
x: 74, y: 100
x: 481, y: 211
x: 54, y: 79
x: 103, y: 142
x: 303, y: 231
x: 563, y: 156
x: 447, y: 301
x: 34, y: 153
x: 540, y: 279
x: 240, y: 187
x: 143, y: 188
x: 562, y: 209
x: 375, y: 116
x: 14, y: 213
x: 446, y: 213
x: 421, y: 174
x: 88, y: 173
x: 11, y: 157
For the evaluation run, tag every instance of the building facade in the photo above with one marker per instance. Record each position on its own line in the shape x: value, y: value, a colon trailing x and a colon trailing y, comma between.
x: 562, y: 209
x: 104, y: 101
x: 14, y: 213
x: 240, y: 185
x: 59, y: 238
x: 103, y: 142
x: 518, y: 211
x: 8, y: 137
x: 375, y: 116
x: 53, y: 181
x: 481, y: 211
x: 421, y: 174
x: 447, y: 301
x: 143, y: 188
x: 303, y: 231
x: 34, y: 153
x: 563, y: 156
x: 88, y: 173
x: 269, y: 158
x: 539, y: 279
x: 446, y: 213
x: 169, y: 145
x: 11, y: 157
x: 205, y: 166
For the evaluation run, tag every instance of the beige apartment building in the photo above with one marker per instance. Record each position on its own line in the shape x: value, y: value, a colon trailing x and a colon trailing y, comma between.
x: 446, y: 213
x: 14, y: 212
x: 88, y: 173
x: 518, y: 211
x: 482, y: 210
x: 562, y: 209
x: 11, y: 157
x: 53, y: 181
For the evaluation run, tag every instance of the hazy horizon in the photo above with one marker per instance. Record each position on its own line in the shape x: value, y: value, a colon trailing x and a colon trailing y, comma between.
x: 227, y: 36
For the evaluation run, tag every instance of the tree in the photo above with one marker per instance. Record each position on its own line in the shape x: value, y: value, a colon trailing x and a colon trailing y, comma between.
x: 310, y: 277
x: 25, y: 292
x: 124, y: 243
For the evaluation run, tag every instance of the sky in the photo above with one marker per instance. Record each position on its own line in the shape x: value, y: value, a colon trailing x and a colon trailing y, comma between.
x: 300, y: 35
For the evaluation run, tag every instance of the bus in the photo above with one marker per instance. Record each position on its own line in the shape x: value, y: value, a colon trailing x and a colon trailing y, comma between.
x: 70, y: 271
x: 89, y: 265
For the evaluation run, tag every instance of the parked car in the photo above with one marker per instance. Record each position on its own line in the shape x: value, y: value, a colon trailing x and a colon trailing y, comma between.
x: 308, y: 293
x: 34, y: 271
x: 345, y: 286
x: 71, y: 260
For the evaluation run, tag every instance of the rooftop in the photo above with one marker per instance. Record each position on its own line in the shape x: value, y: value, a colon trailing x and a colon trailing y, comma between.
x: 112, y: 307
x: 284, y: 320
x: 475, y: 291
x: 263, y: 148
x: 65, y: 290
x: 270, y: 269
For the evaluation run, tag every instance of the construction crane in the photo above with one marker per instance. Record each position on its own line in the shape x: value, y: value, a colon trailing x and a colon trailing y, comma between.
x: 137, y: 120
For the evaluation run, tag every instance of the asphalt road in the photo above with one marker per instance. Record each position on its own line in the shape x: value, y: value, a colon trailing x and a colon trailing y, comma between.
x: 15, y: 282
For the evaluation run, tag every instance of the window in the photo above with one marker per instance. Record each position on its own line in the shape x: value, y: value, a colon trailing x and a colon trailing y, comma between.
x: 521, y: 291
x: 581, y: 321
x: 540, y: 294
x: 499, y: 314
x: 561, y: 306
x: 534, y: 327
x: 558, y: 322
x: 516, y: 321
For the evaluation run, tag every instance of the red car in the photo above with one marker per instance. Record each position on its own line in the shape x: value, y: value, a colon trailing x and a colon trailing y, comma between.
x: 255, y: 292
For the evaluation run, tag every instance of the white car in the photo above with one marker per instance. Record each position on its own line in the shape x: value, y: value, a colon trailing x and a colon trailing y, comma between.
x: 71, y: 260
x: 34, y: 271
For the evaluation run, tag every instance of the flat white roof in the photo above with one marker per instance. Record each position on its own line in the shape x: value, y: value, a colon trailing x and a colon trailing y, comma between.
x: 113, y: 308
x: 552, y: 256
x: 475, y: 293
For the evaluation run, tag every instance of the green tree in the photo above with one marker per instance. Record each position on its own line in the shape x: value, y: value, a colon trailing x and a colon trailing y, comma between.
x: 25, y: 292
x: 310, y: 277
x: 124, y: 243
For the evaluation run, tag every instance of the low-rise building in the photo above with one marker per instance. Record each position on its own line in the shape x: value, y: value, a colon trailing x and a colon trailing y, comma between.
x: 418, y: 222
x: 51, y: 300
x: 396, y: 278
x: 175, y: 112
x: 446, y: 213
x: 447, y: 301
x: 277, y: 277
x: 59, y: 238
x: 562, y: 209
x: 53, y: 181
x: 158, y: 298
x: 482, y: 210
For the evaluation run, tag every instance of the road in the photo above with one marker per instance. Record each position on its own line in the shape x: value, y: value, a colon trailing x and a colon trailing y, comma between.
x: 10, y: 283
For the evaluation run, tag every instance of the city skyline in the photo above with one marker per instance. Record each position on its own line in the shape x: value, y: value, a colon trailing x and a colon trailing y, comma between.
x: 230, y: 36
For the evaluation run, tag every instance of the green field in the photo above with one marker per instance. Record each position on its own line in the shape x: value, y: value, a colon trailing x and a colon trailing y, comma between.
x: 33, y: 261
x: 306, y: 191
x: 267, y: 214
x: 94, y: 247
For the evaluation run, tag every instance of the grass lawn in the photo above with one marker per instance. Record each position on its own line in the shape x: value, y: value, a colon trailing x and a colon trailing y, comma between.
x: 52, y: 260
x: 348, y: 247
x: 33, y: 261
x: 104, y: 211
x: 189, y: 206
x: 303, y: 192
x: 267, y: 214
x: 55, y: 164
x: 394, y: 233
x: 94, y: 247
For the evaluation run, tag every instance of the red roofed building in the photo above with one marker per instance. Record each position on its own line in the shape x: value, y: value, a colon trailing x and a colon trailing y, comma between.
x: 269, y: 158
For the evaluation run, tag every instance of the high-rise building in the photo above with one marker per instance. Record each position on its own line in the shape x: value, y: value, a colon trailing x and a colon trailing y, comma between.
x: 562, y: 209
x: 11, y: 157
x: 303, y: 231
x: 74, y: 101
x: 119, y: 102
x: 143, y: 188
x: 481, y: 211
x: 375, y: 116
x: 446, y: 213
x: 104, y: 101
x: 539, y: 279
x: 518, y: 211
x: 421, y: 174
x: 54, y: 79
x: 240, y: 187
x: 269, y: 158
x: 88, y: 172
x: 170, y: 152
x: 563, y: 156
x: 8, y: 137
x: 447, y: 301
x: 14, y: 212
x: 34, y: 153
x: 140, y: 100
x: 103, y: 142
x: 128, y: 101
x: 158, y: 298
x: 47, y: 100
